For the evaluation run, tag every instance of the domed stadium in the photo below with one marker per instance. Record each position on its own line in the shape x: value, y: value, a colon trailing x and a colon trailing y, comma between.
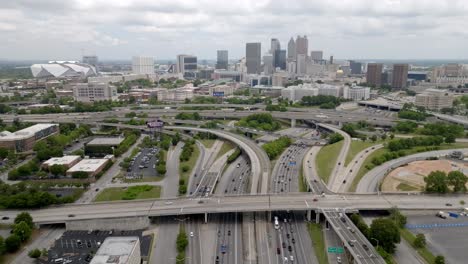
x: 63, y: 69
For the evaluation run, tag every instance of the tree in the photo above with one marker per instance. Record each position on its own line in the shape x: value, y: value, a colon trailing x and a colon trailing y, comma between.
x: 392, y: 136
x: 457, y: 180
x: 373, y: 138
x: 12, y: 243
x: 35, y: 253
x: 383, y: 137
x: 450, y: 138
x: 2, y: 246
x: 398, y: 217
x: 57, y: 169
x: 386, y: 232
x: 419, y: 241
x: 182, y: 241
x: 439, y: 260
x: 80, y: 175
x: 436, y: 182
x: 335, y: 137
x: 22, y: 230
x: 24, y: 217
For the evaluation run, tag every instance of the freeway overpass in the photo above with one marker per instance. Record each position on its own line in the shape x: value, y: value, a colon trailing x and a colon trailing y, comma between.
x: 245, y: 203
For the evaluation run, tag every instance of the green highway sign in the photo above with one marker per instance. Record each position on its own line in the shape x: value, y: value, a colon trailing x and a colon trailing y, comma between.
x: 337, y: 250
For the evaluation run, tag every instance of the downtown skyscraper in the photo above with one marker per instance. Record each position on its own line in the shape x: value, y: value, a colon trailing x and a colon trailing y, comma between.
x: 253, y: 57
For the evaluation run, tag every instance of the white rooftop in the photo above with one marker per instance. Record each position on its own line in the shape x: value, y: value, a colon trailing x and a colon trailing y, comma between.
x: 24, y: 133
x: 65, y: 160
x: 106, y: 141
x: 87, y: 165
x: 116, y: 250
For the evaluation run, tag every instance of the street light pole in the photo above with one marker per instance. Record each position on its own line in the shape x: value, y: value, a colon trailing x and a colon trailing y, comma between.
x: 375, y: 240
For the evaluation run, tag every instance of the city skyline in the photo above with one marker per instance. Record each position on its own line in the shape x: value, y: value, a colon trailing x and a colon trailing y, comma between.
x: 351, y: 29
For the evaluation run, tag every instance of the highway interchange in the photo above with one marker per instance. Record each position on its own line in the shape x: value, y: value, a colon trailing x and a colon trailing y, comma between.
x: 249, y: 185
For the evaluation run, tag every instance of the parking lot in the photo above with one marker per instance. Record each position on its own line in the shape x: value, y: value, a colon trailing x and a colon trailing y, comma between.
x: 446, y: 237
x: 79, y: 246
x: 143, y: 164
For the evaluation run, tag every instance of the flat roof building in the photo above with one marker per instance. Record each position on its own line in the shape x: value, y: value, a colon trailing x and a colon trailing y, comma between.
x: 106, y: 141
x: 24, y: 139
x: 374, y: 74
x: 118, y: 250
x: 67, y: 161
x: 434, y: 99
x: 143, y: 65
x: 400, y: 76
x: 91, y: 166
x: 93, y: 92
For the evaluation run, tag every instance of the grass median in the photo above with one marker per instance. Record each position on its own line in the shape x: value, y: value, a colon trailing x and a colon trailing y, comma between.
x: 316, y: 235
x: 130, y: 193
x: 326, y: 160
x: 358, y: 146
x: 423, y: 252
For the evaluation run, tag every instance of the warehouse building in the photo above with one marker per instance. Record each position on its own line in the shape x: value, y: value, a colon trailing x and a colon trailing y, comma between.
x: 118, y: 250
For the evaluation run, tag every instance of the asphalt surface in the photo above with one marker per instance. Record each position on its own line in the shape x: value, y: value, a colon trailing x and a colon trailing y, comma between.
x: 355, y: 240
x: 144, y: 167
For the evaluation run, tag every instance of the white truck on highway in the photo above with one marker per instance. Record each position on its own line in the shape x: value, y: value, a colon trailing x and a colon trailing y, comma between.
x: 442, y: 215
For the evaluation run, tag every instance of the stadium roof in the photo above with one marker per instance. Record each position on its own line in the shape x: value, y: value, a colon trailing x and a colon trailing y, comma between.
x: 62, y: 69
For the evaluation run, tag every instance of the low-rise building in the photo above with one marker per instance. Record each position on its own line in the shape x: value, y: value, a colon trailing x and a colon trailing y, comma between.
x: 67, y: 161
x: 226, y: 90
x: 434, y: 99
x: 24, y: 140
x: 94, y: 92
x: 118, y: 250
x: 91, y: 166
x: 102, y: 146
x: 175, y: 95
x: 296, y: 93
x: 356, y: 93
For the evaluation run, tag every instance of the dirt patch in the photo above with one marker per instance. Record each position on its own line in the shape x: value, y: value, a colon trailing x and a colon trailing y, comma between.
x: 411, y: 176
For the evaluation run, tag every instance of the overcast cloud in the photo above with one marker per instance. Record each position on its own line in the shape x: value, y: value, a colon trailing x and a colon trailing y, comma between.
x: 118, y: 29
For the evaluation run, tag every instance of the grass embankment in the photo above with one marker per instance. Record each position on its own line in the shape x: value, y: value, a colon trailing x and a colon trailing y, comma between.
x: 326, y: 159
x: 190, y: 163
x: 358, y: 146
x: 130, y: 193
x: 208, y: 143
x: 368, y: 162
x: 406, y: 187
x: 227, y: 146
x: 423, y: 252
x: 302, y: 182
x: 316, y: 235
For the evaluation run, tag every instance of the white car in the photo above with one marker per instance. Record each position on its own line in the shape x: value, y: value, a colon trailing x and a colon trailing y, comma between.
x: 338, y: 259
x: 191, y: 234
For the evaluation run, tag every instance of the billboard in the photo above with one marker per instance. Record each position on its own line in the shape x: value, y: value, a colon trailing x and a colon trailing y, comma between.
x: 218, y: 94
x: 155, y: 124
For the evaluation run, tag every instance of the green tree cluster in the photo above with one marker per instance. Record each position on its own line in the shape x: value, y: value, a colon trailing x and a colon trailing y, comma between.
x: 324, y: 101
x: 276, y: 147
x: 440, y: 182
x: 262, y: 121
x: 234, y: 155
x: 187, y: 150
x: 188, y: 116
x: 407, y: 143
x: 335, y: 137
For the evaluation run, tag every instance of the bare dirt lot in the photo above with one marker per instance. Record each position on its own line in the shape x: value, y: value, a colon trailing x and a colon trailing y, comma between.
x: 411, y: 176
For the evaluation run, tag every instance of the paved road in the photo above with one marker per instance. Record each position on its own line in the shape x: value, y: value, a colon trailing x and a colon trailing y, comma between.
x: 371, y: 180
x: 333, y: 240
x: 246, y: 203
x: 353, y: 167
x: 355, y: 241
x: 339, y: 169
x: 314, y: 182
x: 171, y: 180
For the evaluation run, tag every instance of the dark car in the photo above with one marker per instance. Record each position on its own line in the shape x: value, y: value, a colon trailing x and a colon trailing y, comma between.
x: 5, y: 218
x: 289, y: 248
x: 278, y: 251
x: 365, y: 247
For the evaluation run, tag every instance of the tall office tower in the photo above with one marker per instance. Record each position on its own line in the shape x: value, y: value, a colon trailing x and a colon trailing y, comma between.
x: 186, y: 65
x: 331, y: 59
x: 374, y: 74
x: 280, y: 59
x: 90, y: 59
x: 222, y: 60
x: 268, y: 67
x: 356, y: 67
x: 301, y: 64
x: 291, y: 50
x: 253, y: 57
x: 400, y: 76
x: 316, y: 55
x: 302, y: 45
x: 275, y: 45
x: 142, y: 65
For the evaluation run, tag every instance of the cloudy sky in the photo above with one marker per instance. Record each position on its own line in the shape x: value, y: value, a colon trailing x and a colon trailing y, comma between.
x: 118, y: 29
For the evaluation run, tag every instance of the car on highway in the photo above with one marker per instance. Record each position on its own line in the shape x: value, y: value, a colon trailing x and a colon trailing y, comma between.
x: 71, y: 215
x: 365, y: 247
x: 5, y: 218
x: 291, y: 258
x: 278, y: 250
x: 223, y: 249
x: 191, y: 234
x: 289, y: 248
x: 338, y: 259
x: 448, y: 204
x: 350, y: 242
